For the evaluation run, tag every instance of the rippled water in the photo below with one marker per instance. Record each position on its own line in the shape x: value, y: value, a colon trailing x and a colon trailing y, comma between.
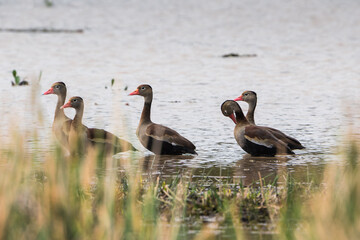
x: 306, y: 73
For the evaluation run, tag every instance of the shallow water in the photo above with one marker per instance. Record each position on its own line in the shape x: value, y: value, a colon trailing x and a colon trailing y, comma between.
x: 305, y: 72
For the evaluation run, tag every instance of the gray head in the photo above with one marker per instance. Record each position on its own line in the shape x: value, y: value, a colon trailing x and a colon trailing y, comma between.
x: 58, y: 88
x: 247, y: 96
x: 74, y: 102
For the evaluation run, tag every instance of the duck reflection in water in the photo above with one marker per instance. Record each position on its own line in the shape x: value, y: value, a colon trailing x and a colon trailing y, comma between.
x: 167, y: 166
x: 249, y: 170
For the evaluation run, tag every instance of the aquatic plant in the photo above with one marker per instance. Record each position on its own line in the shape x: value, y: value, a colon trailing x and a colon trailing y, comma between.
x: 17, y: 81
x: 48, y: 3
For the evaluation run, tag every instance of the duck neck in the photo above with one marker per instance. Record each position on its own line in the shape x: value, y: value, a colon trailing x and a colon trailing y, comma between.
x: 251, y: 111
x: 240, y: 118
x: 59, y: 113
x: 77, y: 122
x: 145, y: 115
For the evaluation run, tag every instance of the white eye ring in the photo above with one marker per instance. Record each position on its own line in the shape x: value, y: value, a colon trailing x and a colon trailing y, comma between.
x: 142, y: 88
x: 57, y: 86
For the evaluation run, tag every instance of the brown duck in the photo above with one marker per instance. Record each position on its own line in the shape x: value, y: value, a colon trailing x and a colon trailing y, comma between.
x: 61, y: 124
x: 250, y: 98
x: 255, y: 140
x: 157, y: 138
x: 80, y: 137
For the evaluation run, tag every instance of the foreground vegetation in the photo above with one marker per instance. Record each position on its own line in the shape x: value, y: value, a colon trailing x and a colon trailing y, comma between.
x: 67, y: 198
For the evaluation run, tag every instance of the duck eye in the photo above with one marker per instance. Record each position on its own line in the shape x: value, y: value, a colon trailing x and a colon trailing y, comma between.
x: 57, y: 86
x: 75, y: 100
x: 142, y: 88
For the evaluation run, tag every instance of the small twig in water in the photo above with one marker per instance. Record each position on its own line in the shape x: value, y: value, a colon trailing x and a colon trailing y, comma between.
x: 40, y: 30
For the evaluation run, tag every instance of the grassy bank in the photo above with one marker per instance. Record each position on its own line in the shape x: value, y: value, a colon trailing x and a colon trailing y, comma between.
x: 67, y: 198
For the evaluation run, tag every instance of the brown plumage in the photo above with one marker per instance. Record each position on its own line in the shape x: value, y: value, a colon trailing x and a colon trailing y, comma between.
x: 157, y: 138
x: 255, y: 140
x: 77, y: 137
x: 61, y: 124
x: 80, y: 137
x: 250, y: 98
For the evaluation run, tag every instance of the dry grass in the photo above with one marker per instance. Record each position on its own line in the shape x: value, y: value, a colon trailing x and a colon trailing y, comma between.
x: 67, y: 198
x: 335, y: 212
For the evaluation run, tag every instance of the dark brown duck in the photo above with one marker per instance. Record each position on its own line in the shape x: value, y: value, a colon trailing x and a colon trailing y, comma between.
x: 157, y: 138
x: 250, y: 98
x: 255, y: 140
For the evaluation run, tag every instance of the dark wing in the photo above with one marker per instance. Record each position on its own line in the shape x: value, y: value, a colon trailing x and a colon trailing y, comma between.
x: 261, y: 136
x: 101, y: 136
x: 290, y: 141
x: 165, y: 134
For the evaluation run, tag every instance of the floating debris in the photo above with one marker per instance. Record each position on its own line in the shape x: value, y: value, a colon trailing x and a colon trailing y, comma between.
x: 23, y: 83
x: 238, y: 55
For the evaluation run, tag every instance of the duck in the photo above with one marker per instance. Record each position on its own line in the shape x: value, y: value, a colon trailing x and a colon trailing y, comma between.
x: 77, y: 135
x: 157, y: 138
x: 250, y: 97
x: 81, y: 137
x: 253, y: 139
x: 62, y: 123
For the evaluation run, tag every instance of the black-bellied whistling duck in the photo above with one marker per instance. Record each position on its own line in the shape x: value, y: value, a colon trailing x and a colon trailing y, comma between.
x: 61, y: 124
x: 250, y: 98
x: 255, y: 140
x: 78, y: 140
x: 80, y: 137
x: 157, y: 138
